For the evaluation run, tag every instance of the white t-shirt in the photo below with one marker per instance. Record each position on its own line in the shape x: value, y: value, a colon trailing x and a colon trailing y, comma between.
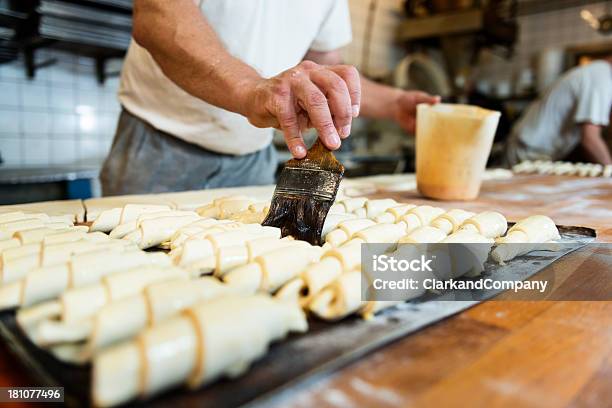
x: 269, y: 35
x: 550, y: 129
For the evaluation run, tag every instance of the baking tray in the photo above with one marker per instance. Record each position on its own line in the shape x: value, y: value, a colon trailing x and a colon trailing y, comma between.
x: 299, y: 359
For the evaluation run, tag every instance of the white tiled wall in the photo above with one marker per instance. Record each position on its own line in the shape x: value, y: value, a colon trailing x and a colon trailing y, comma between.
x: 62, y: 117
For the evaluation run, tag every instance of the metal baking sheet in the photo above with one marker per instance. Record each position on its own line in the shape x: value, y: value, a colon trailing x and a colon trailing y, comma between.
x: 299, y: 359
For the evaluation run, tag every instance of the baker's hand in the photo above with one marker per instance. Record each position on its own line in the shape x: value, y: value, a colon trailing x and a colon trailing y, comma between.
x: 404, y: 107
x: 326, y: 97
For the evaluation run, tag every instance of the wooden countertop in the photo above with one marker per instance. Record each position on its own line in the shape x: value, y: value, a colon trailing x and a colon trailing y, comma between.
x: 499, y: 353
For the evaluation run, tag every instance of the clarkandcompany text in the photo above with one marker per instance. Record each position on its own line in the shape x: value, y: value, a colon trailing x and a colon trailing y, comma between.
x: 452, y: 284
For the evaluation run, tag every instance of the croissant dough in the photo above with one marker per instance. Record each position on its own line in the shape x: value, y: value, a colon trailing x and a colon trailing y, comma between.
x: 376, y: 207
x: 270, y: 271
x: 204, y: 245
x: 419, y: 216
x: 319, y: 274
x: 346, y: 229
x: 80, y: 304
x: 342, y: 296
x: 451, y: 220
x: 393, y: 214
x: 196, y: 348
x: 47, y: 283
x: 526, y: 236
x: 125, y: 318
x: 489, y: 224
x: 426, y: 234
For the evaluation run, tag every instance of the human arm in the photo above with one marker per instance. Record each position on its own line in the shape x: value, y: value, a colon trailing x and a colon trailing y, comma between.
x: 593, y: 144
x: 189, y: 52
x: 381, y: 101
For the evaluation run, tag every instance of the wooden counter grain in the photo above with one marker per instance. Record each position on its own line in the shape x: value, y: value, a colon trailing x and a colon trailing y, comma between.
x: 499, y: 353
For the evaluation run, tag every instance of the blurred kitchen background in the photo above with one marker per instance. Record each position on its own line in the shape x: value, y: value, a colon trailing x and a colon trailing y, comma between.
x: 60, y: 61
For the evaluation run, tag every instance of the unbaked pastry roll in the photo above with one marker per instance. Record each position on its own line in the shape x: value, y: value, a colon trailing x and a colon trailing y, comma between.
x: 536, y: 228
x: 339, y: 299
x: 346, y: 229
x: 73, y: 234
x: 186, y: 232
x: 526, y: 236
x: 226, y: 204
x: 393, y: 214
x: 82, y: 303
x: 249, y: 216
x: 20, y: 215
x: 270, y: 271
x: 319, y: 274
x: 332, y: 221
x: 352, y: 204
x: 227, y: 258
x: 109, y: 219
x: 490, y: 224
x: 19, y: 251
x: 337, y: 208
x: 9, y: 243
x: 127, y: 227
x: 47, y: 283
x: 451, y: 220
x: 376, y: 207
x: 152, y: 232
x: 8, y: 229
x: 478, y: 246
x: 59, y: 253
x: 420, y: 216
x: 123, y: 319
x: 218, y: 338
x: 387, y: 234
x: 425, y: 234
x: 203, y: 246
x: 37, y: 235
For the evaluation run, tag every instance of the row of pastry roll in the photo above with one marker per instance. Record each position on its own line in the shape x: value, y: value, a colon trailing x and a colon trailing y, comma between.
x: 236, y: 208
x: 245, y: 259
x: 342, y: 296
x: 18, y: 227
x: 74, y: 326
x: 48, y: 245
x: 563, y: 168
x: 151, y: 225
x: 76, y: 333
x: 57, y: 321
x: 217, y: 338
x: 331, y: 288
x: 301, y: 273
x: 53, y: 267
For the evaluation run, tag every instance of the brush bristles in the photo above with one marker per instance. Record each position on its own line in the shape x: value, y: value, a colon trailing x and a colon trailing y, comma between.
x: 301, y: 217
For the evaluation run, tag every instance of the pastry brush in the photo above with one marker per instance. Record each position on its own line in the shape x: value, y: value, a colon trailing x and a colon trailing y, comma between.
x: 305, y: 191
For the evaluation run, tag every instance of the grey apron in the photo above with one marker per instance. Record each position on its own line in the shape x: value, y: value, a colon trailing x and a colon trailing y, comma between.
x: 143, y: 159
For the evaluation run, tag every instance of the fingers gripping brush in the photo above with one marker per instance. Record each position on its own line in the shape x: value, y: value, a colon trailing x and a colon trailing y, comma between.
x: 305, y: 191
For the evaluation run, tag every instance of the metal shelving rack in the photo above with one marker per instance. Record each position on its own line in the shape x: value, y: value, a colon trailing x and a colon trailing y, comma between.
x: 98, y: 29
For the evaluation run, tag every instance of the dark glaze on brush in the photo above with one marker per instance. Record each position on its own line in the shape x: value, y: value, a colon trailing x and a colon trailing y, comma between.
x: 305, y: 191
